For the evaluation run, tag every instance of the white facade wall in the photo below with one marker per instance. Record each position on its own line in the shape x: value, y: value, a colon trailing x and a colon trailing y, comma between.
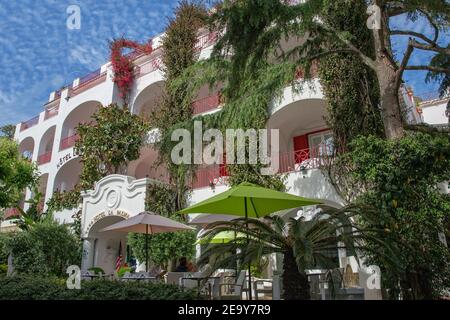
x: 434, y: 112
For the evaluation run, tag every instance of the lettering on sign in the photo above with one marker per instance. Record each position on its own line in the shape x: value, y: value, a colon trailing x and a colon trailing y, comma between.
x: 107, y: 213
x: 65, y: 159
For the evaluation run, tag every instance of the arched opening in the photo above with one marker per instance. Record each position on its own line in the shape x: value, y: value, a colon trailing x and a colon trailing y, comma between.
x: 46, y: 146
x: 26, y: 148
x: 302, y: 131
x: 81, y: 114
x: 105, y: 246
x: 68, y: 176
x: 207, y: 99
x: 42, y: 188
x: 145, y: 166
x: 148, y: 99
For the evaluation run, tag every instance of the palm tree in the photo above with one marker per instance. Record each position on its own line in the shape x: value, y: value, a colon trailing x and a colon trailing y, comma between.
x: 303, y: 244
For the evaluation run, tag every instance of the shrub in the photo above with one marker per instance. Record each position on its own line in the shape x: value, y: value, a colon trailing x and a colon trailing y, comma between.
x: 123, y: 270
x: 3, y: 249
x: 97, y: 270
x: 3, y: 269
x: 47, y: 248
x: 38, y: 288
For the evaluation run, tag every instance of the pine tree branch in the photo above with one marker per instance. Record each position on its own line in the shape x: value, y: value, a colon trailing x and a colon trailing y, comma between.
x: 429, y: 68
x: 397, y: 8
x: 433, y: 24
x: 351, y: 47
x: 427, y: 47
x: 403, y: 64
x: 414, y: 34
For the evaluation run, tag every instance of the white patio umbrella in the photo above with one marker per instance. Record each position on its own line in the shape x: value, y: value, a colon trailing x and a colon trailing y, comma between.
x: 148, y: 223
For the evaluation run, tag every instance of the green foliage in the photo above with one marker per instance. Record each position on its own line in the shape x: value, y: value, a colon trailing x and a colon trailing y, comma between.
x: 33, y: 215
x: 113, y: 138
x: 40, y: 288
x: 8, y: 131
x: 16, y: 173
x: 401, y: 178
x: 122, y: 271
x: 350, y: 87
x: 175, y: 108
x: 64, y: 200
x: 304, y: 245
x: 164, y: 247
x: 3, y: 249
x: 47, y: 248
x: 97, y: 270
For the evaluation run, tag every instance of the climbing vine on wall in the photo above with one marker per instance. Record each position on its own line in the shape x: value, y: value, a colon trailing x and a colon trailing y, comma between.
x: 122, y: 63
x: 179, y: 53
x: 350, y: 87
x: 106, y: 144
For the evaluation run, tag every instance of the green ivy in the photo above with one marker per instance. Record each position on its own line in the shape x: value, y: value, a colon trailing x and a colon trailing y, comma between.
x: 400, y: 178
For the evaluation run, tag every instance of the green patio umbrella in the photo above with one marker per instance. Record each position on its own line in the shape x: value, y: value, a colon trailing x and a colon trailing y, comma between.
x: 222, y: 237
x: 249, y: 200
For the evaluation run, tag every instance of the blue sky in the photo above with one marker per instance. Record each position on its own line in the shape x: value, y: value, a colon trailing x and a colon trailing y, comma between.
x: 39, y: 54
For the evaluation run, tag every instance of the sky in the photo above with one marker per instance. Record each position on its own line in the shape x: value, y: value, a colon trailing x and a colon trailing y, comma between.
x: 40, y: 54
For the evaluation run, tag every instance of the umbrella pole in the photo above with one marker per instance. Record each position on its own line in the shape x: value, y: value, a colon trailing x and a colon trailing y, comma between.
x: 248, y: 241
x: 146, y: 248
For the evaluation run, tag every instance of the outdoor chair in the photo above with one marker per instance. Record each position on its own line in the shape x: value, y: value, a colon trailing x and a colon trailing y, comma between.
x: 233, y: 290
x: 174, y: 277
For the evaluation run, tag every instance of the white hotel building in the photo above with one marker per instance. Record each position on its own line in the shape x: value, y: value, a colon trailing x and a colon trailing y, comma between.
x: 48, y: 139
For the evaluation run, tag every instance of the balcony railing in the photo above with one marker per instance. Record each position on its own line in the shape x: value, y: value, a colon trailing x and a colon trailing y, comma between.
x: 44, y: 158
x: 89, y: 81
x: 433, y: 95
x: 30, y: 123
x: 205, y: 104
x: 210, y: 176
x: 68, y: 142
x: 11, y: 212
x: 206, y: 40
x: 311, y: 158
x: 148, y: 66
x: 50, y: 113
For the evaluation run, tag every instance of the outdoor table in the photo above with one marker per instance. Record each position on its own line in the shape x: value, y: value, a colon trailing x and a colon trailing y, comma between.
x: 143, y: 278
x: 98, y: 276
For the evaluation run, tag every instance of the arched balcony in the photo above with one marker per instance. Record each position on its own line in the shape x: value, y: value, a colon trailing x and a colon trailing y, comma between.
x: 46, y: 146
x: 145, y: 166
x: 68, y: 176
x: 81, y: 114
x: 42, y: 189
x: 26, y: 148
x: 207, y: 100
x: 302, y: 131
x: 147, y: 100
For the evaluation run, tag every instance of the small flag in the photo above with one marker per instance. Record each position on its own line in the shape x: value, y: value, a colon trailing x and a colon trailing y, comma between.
x: 119, y: 257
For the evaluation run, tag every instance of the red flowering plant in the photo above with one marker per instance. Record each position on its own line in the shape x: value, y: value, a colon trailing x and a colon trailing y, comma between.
x: 122, y: 63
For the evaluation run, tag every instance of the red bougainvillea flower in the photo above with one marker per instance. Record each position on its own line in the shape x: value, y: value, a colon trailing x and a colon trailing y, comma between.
x: 122, y: 64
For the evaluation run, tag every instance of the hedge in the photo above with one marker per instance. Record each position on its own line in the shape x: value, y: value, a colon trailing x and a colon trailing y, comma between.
x: 39, y: 288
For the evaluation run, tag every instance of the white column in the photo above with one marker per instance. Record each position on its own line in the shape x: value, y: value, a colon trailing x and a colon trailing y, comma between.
x: 88, y: 254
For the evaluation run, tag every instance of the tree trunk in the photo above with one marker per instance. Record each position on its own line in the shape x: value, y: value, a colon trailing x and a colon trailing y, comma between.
x: 295, y: 283
x: 390, y: 107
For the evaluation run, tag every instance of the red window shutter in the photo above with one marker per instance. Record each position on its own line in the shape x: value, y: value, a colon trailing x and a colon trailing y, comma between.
x: 301, y: 148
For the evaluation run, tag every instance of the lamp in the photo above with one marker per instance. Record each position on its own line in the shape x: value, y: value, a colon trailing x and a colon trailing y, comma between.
x: 303, y: 171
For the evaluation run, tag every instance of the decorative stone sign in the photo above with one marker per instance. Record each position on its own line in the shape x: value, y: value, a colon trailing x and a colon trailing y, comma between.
x: 113, y: 198
x: 107, y: 213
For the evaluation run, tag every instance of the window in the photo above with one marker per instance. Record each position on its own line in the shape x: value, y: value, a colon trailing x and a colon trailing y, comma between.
x: 321, y: 143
